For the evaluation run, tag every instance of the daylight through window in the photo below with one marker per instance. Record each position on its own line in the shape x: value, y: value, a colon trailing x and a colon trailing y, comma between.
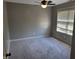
x: 65, y: 20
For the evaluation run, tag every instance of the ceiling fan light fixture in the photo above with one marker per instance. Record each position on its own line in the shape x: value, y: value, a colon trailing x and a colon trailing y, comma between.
x: 43, y: 6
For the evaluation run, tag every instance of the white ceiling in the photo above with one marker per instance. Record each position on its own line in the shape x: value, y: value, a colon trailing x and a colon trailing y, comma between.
x: 33, y: 2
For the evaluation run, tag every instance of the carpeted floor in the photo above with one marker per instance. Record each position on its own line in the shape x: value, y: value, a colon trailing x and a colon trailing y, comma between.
x: 41, y: 48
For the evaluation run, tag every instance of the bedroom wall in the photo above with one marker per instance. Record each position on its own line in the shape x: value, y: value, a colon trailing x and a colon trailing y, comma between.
x: 28, y: 20
x: 63, y: 37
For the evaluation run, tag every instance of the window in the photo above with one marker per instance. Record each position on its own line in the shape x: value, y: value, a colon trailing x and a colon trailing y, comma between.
x: 65, y: 20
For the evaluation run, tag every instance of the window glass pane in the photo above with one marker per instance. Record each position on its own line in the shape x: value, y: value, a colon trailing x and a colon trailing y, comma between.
x: 61, y: 30
x: 69, y: 32
x: 62, y: 25
x: 70, y: 27
x: 65, y: 20
x: 62, y: 15
x: 71, y: 20
x: 71, y: 15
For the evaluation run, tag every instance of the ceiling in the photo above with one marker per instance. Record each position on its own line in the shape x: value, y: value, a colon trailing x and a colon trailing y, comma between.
x: 33, y: 2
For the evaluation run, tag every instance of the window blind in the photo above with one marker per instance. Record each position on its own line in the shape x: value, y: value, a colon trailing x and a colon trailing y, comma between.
x: 65, y: 20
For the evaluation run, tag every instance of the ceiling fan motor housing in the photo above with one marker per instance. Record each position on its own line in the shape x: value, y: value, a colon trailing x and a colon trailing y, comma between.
x: 44, y: 2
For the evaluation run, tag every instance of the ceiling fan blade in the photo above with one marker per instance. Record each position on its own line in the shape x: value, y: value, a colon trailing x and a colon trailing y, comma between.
x: 51, y: 4
x: 37, y: 2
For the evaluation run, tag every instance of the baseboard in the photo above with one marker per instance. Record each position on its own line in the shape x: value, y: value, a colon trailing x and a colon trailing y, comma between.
x: 27, y: 38
x: 61, y: 40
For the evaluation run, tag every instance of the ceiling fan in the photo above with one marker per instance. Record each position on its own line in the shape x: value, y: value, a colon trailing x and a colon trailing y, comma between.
x: 44, y: 3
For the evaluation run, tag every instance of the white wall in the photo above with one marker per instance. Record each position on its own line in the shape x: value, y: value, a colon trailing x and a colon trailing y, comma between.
x: 28, y: 20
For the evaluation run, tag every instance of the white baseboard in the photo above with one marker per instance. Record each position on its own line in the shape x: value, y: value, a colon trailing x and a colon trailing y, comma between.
x: 27, y: 38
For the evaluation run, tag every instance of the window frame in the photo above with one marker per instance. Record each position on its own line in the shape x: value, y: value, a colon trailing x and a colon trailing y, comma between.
x: 62, y: 9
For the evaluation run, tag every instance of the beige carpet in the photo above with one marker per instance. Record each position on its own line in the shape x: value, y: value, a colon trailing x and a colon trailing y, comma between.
x: 41, y: 48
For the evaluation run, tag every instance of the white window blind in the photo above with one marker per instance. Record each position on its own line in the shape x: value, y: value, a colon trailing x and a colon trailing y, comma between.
x: 65, y: 20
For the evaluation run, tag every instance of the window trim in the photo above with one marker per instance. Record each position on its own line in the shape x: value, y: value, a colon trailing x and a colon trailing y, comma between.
x: 63, y: 9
